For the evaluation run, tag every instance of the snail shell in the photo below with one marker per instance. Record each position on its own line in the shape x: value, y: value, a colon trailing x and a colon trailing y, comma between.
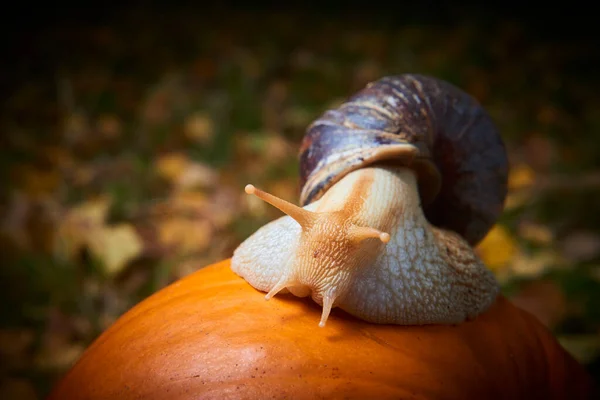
x: 461, y: 163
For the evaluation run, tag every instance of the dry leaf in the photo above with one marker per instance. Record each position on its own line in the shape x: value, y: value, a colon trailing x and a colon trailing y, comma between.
x: 196, y: 175
x: 497, y: 249
x: 224, y: 207
x: 79, y: 225
x: 59, y: 357
x: 187, y: 202
x: 115, y: 247
x: 185, y: 235
x: 171, y: 166
x: 531, y: 266
x: 535, y: 233
x: 199, y: 128
x: 184, y: 173
x: 516, y: 199
x: 277, y: 148
x: 521, y: 176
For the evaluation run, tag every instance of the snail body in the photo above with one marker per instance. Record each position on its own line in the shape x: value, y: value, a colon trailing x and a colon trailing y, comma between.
x: 389, y: 210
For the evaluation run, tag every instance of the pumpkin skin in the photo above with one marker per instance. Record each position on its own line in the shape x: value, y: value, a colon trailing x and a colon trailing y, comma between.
x: 212, y: 336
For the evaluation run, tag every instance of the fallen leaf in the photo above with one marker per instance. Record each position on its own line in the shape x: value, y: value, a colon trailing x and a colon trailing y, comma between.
x: 199, y: 128
x: 223, y: 208
x: 517, y: 199
x: 171, y: 166
x: 520, y: 176
x: 536, y: 233
x: 194, y: 202
x: 277, y: 148
x: 59, y: 358
x: 196, y: 175
x: 497, y: 249
x: 115, y: 247
x: 184, y: 235
x: 79, y: 225
x: 532, y: 266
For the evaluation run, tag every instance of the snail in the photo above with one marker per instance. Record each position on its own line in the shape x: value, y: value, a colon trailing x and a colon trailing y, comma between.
x: 397, y: 184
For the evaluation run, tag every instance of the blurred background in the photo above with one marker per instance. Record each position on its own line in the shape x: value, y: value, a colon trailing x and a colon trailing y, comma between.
x: 128, y: 132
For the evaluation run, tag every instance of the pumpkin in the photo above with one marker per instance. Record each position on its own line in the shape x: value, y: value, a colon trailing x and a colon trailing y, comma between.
x: 212, y: 336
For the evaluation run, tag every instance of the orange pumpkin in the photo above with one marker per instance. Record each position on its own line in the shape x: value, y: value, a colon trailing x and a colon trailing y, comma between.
x: 212, y: 336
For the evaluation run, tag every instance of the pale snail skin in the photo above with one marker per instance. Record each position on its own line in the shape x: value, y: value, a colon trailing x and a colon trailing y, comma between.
x: 423, y: 275
x: 402, y: 152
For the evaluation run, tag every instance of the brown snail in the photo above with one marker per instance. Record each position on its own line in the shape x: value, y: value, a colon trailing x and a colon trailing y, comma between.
x: 397, y: 184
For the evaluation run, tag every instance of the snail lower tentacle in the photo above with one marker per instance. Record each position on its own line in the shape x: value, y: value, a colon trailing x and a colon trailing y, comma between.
x: 398, y: 182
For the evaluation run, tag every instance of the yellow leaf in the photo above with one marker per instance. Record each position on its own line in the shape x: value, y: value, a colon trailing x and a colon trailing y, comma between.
x: 115, y: 247
x: 536, y: 233
x: 185, y: 235
x: 531, y: 266
x: 497, y: 249
x: 196, y: 175
x: 171, y: 166
x: 188, y: 202
x: 521, y: 176
x: 199, y: 128
x: 78, y: 225
x: 516, y: 199
x: 277, y: 148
